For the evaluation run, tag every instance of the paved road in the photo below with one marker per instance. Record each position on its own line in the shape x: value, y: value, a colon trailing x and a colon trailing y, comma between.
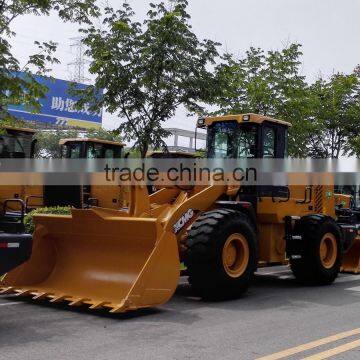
x: 276, y: 315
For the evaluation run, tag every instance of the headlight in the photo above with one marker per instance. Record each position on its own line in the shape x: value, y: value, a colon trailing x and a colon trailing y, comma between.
x: 246, y: 118
x: 201, y: 122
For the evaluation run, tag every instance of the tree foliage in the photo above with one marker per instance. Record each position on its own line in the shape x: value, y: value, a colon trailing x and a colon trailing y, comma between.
x: 269, y: 84
x: 148, y: 69
x: 14, y: 123
x: 16, y: 89
x: 325, y: 115
x: 355, y: 146
x: 260, y: 82
x: 335, y: 116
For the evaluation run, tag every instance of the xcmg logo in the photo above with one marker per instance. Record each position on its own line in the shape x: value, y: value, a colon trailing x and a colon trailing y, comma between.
x: 183, y: 221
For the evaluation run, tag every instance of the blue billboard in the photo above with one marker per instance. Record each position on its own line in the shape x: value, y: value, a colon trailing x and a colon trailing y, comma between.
x: 58, y: 107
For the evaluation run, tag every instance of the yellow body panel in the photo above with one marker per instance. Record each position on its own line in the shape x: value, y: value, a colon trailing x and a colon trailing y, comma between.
x: 343, y: 200
x: 109, y: 196
x: 271, y: 213
x: 32, y: 195
x: 18, y: 191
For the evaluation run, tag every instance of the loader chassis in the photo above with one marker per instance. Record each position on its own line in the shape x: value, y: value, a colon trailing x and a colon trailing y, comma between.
x: 129, y: 259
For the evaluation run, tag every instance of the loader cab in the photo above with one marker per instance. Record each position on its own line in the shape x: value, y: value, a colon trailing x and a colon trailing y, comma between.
x: 91, y: 149
x: 85, y: 195
x: 17, y: 143
x: 248, y: 136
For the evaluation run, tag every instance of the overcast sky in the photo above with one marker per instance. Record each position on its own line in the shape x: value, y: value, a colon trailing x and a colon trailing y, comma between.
x: 328, y: 30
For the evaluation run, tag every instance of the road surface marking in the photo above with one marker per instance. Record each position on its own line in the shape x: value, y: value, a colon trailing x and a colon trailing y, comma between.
x: 10, y: 303
x: 356, y: 288
x: 286, y: 277
x: 335, y: 351
x: 347, y: 278
x: 311, y: 345
x: 273, y: 273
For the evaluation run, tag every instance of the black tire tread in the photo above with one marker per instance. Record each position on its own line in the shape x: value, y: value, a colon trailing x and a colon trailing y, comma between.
x: 309, y: 269
x: 206, y: 274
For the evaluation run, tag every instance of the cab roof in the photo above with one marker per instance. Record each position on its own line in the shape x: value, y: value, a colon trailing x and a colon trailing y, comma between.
x: 163, y: 154
x: 245, y: 118
x: 10, y: 129
x: 90, y: 140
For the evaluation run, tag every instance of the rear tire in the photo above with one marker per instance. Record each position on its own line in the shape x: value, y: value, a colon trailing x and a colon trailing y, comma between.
x: 321, y: 260
x: 222, y: 254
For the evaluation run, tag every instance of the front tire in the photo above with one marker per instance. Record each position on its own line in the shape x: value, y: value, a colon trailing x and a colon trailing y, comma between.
x: 222, y: 254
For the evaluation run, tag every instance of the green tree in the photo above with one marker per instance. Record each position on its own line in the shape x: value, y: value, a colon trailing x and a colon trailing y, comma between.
x: 336, y: 116
x: 14, y: 123
x: 16, y: 89
x: 47, y: 145
x: 269, y: 84
x: 148, y: 70
x: 103, y: 134
x: 355, y: 146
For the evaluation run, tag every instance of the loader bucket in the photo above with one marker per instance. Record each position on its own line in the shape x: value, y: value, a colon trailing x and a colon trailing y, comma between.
x: 351, y: 259
x: 99, y: 258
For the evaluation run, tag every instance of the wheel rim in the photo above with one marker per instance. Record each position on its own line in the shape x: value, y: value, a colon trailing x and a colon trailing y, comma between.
x: 235, y: 255
x: 328, y: 250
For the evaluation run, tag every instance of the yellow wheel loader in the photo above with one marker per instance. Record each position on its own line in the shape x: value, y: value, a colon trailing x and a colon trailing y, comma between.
x: 17, y: 200
x: 20, y: 143
x: 130, y: 259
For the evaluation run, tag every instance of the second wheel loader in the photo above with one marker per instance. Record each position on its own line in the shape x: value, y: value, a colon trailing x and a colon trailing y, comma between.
x: 17, y: 200
x: 130, y: 259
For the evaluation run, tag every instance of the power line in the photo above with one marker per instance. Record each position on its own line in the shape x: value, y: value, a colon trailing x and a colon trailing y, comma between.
x: 18, y: 34
x: 32, y: 45
x: 79, y: 64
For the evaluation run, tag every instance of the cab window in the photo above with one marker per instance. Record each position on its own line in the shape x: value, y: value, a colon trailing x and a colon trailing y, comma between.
x: 269, y: 142
x: 221, y: 145
x: 247, y: 142
x: 112, y: 152
x: 74, y: 150
x: 109, y: 154
x: 286, y: 150
x: 15, y: 147
x: 94, y: 151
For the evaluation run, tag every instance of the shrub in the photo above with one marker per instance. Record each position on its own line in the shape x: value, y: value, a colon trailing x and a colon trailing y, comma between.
x: 29, y: 223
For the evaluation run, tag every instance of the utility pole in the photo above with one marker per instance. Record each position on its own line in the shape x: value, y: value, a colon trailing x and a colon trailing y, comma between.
x: 79, y: 64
